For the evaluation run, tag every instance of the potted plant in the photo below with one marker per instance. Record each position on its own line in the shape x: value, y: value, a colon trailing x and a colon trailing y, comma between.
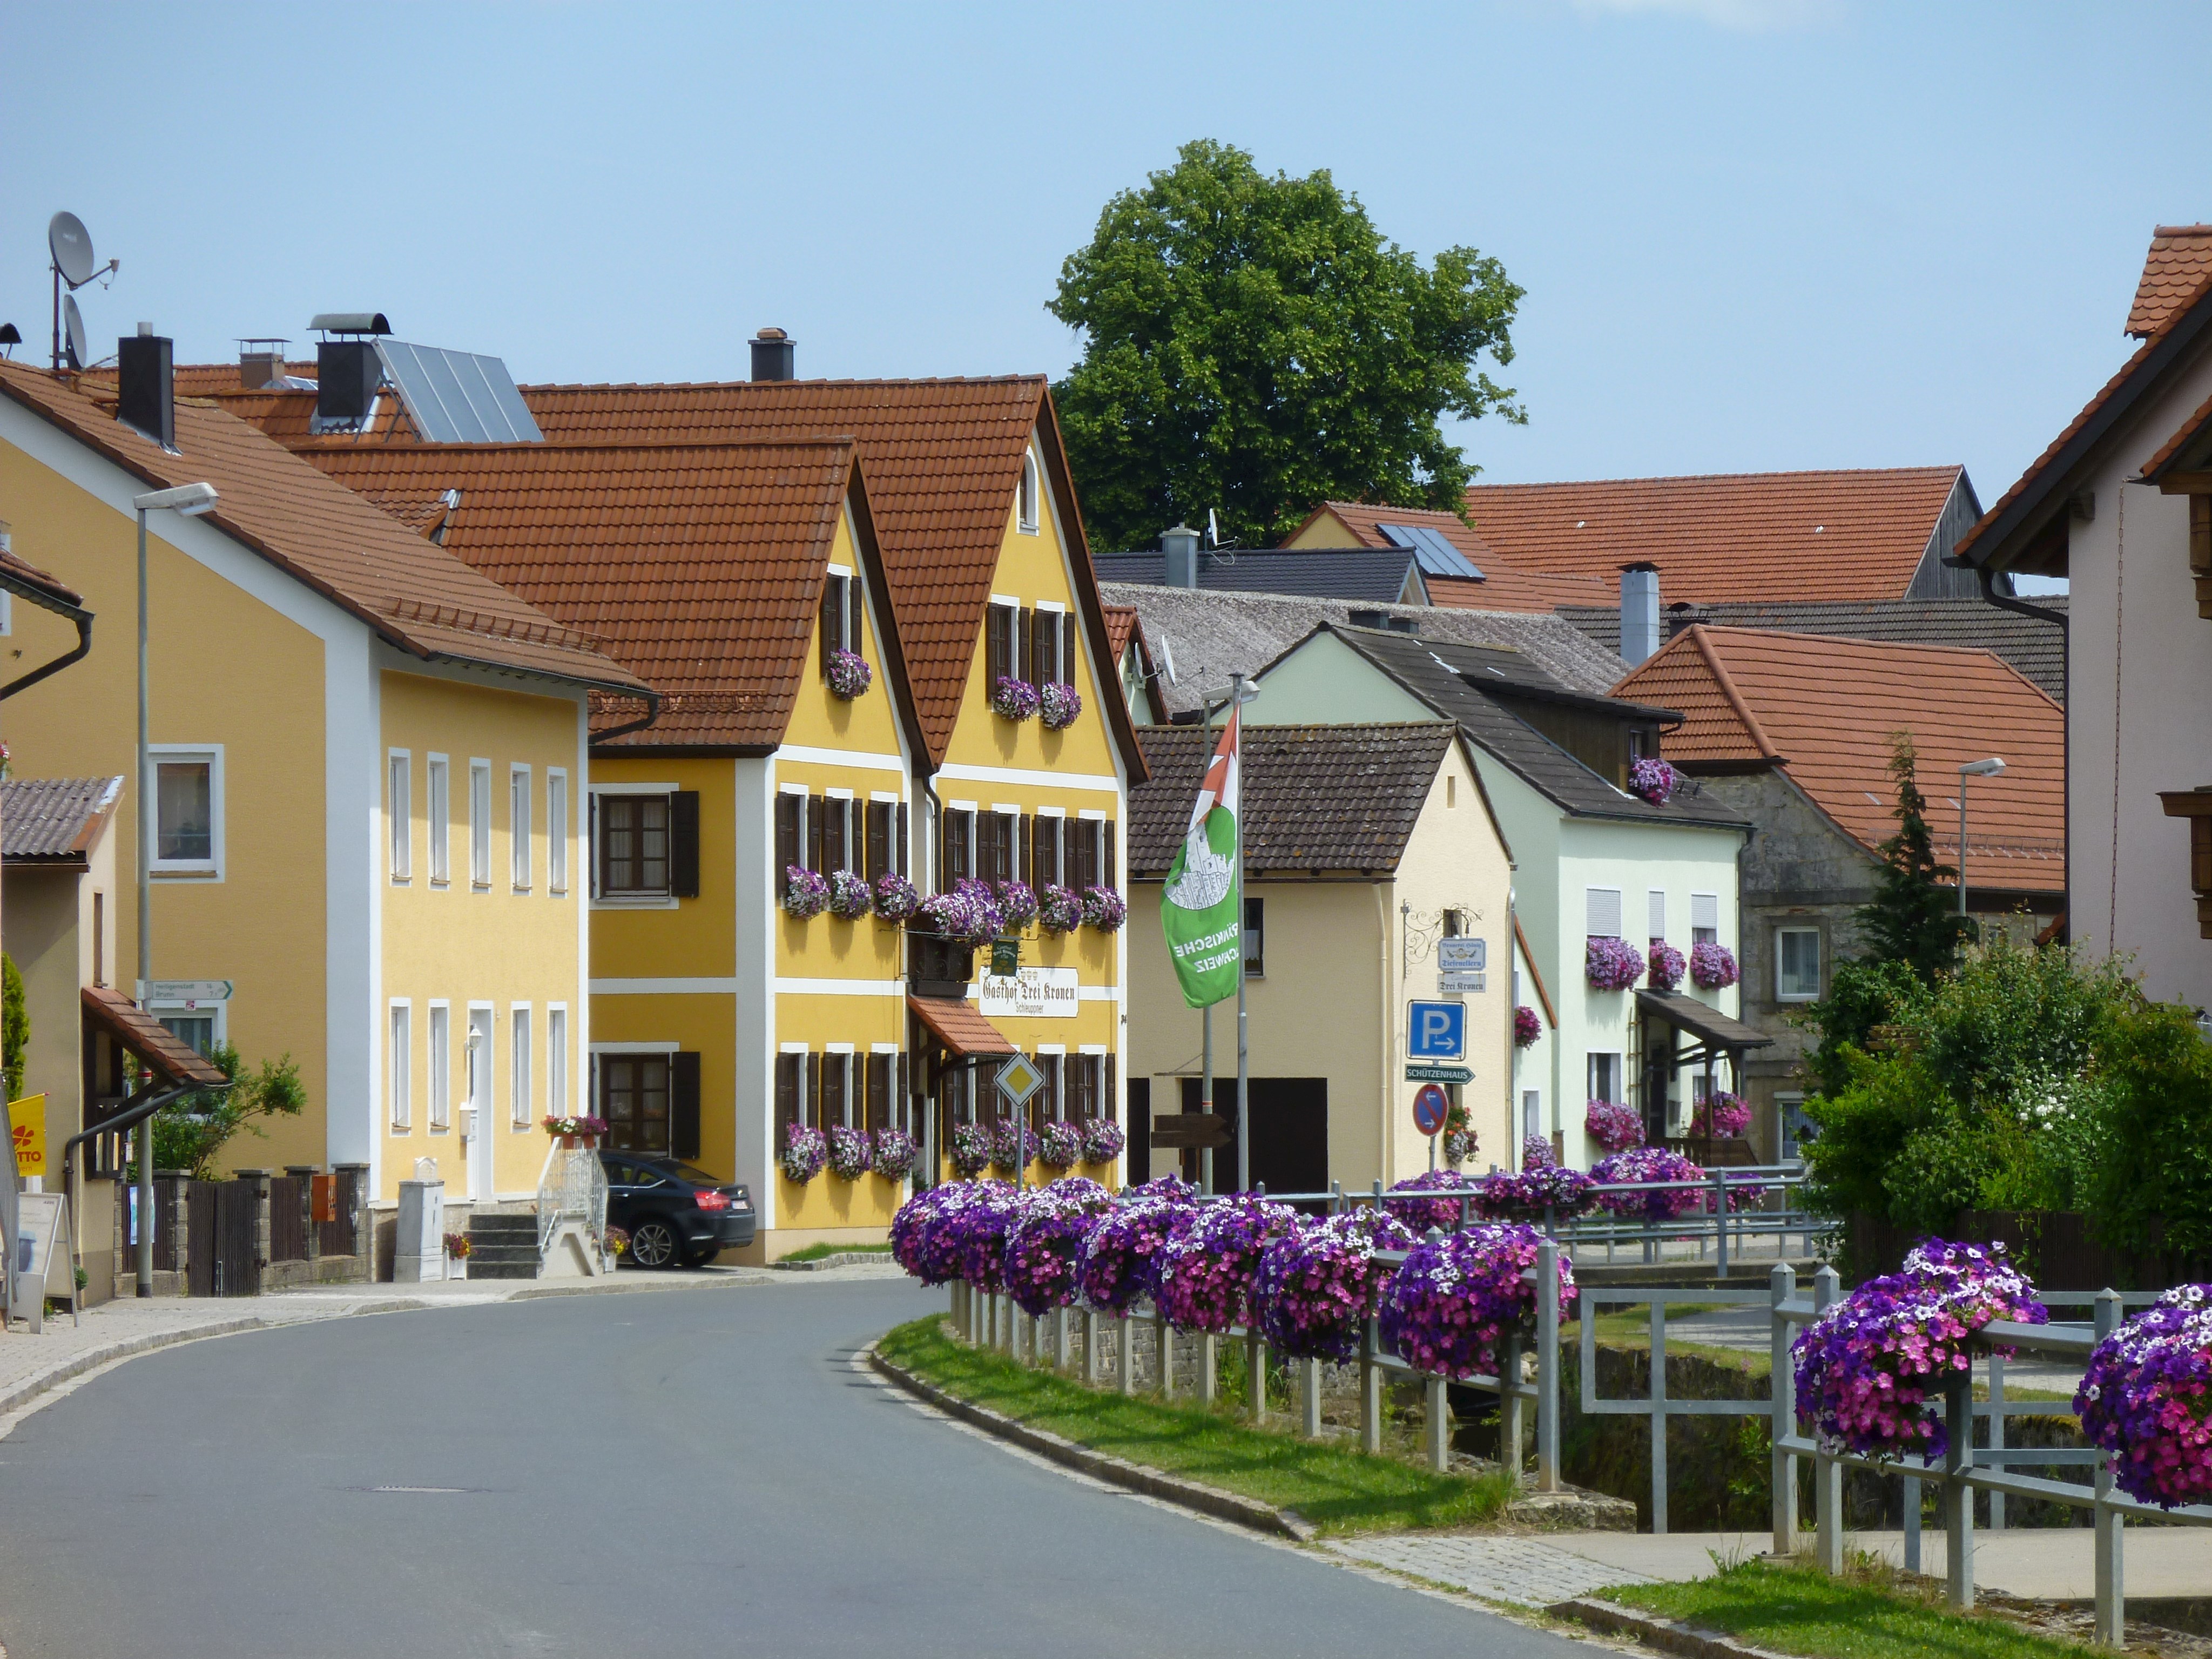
x: 968, y: 914
x: 849, y: 675
x: 1654, y: 779
x: 805, y: 892
x: 971, y: 1149
x: 614, y: 1245
x: 850, y: 1153
x: 1060, y: 704
x: 895, y: 897
x: 457, y: 1255
x: 1102, y: 1140
x: 1666, y: 965
x: 1527, y: 1026
x: 572, y: 1132
x: 1060, y: 909
x: 1018, y: 904
x: 849, y: 897
x: 1060, y: 1146
x: 1712, y: 967
x: 1613, y: 964
x: 893, y: 1154
x: 805, y: 1152
x: 1013, y: 699
x: 1104, y: 909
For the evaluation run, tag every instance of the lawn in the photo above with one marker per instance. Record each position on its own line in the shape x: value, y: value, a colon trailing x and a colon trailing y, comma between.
x: 1867, y: 1614
x: 1336, y: 1488
x: 816, y: 1252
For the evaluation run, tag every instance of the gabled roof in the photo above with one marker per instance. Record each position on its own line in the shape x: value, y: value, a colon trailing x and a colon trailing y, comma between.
x: 2031, y: 645
x: 54, y: 821
x: 416, y: 596
x: 1365, y: 574
x: 1475, y: 686
x: 2180, y: 259
x: 1772, y: 536
x: 1120, y: 628
x: 1824, y: 710
x: 1317, y: 800
x: 1504, y: 585
x: 700, y: 565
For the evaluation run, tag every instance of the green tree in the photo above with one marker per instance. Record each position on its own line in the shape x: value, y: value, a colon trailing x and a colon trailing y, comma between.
x: 190, y: 1133
x: 15, y: 1025
x: 1913, y: 916
x: 1253, y: 344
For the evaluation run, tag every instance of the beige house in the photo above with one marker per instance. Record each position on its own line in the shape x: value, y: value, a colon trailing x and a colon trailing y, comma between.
x: 1364, y: 847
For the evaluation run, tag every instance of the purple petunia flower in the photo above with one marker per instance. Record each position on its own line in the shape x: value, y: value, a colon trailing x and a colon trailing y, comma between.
x: 1448, y: 1310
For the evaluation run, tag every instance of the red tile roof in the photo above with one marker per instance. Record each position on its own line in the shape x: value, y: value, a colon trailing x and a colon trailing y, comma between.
x: 1121, y: 625
x: 2183, y: 436
x: 175, y: 1061
x: 2179, y: 260
x: 959, y: 1026
x: 699, y: 565
x: 1505, y: 586
x: 1765, y: 536
x: 1823, y: 709
x: 416, y: 596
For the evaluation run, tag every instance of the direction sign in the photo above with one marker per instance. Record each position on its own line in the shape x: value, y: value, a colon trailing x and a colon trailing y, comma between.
x: 1431, y: 1108
x: 1419, y: 1073
x: 190, y: 991
x: 1435, y: 1030
x: 1019, y: 1078
x: 1197, y: 1130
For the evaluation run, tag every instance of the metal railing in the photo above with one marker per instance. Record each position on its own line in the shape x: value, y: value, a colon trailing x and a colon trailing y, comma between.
x: 572, y: 1186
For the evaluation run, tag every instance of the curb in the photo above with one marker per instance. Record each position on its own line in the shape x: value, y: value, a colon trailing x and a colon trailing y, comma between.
x: 1667, y: 1635
x: 1116, y: 1471
x: 92, y: 1359
x: 844, y: 1259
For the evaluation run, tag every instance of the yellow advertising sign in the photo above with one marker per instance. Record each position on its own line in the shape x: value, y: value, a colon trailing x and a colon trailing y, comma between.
x: 29, y: 1117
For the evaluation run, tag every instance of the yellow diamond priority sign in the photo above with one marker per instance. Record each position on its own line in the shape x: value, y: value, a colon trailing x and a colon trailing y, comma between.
x: 1019, y: 1078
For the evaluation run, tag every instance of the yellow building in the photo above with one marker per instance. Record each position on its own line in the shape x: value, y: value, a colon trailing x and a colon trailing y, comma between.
x: 368, y: 772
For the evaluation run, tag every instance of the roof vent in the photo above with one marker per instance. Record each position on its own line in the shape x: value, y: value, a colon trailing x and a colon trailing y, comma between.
x: 145, y: 385
x: 1360, y: 617
x: 349, y: 322
x: 1181, y: 546
x: 1639, y: 612
x: 774, y: 356
x: 1398, y: 625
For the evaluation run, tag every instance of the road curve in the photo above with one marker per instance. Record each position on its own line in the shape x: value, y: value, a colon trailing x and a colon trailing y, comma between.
x: 681, y: 1473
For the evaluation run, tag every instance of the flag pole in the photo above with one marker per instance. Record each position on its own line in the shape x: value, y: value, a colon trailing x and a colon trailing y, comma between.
x: 1205, y: 1027
x: 1243, y: 938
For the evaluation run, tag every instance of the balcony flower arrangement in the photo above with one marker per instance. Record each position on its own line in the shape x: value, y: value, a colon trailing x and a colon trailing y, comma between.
x: 1640, y: 1165
x: 1115, y: 1267
x: 923, y: 1240
x: 1062, y: 705
x: 971, y: 1150
x: 805, y: 892
x: 1205, y: 1270
x: 1461, y: 1142
x: 572, y: 1129
x: 805, y: 1152
x: 1456, y: 1298
x: 1612, y: 964
x: 1654, y: 779
x: 1536, y: 1152
x: 1104, y: 909
x: 849, y: 675
x: 1018, y: 904
x: 1722, y: 1114
x: 1013, y: 1146
x: 1527, y: 1026
x: 1102, y: 1140
x: 1666, y: 964
x: 1058, y: 909
x: 968, y: 914
x: 893, y: 1154
x: 1615, y: 1127
x: 849, y: 1152
x: 1046, y: 1242
x: 849, y: 897
x: 2146, y: 1397
x: 895, y: 897
x: 1530, y: 1193
x: 1423, y: 1213
x: 1866, y: 1367
x: 1061, y: 1144
x: 1712, y: 967
x: 1013, y: 699
x: 1318, y: 1282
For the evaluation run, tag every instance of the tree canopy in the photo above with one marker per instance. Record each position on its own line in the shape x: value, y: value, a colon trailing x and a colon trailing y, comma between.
x: 1913, y: 916
x: 1253, y: 345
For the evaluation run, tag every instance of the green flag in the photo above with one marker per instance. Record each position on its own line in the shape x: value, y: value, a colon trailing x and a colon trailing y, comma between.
x: 1202, y: 907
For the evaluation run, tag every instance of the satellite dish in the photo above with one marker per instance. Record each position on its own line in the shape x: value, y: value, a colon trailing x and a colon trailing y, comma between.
x: 1167, y: 658
x: 73, y: 332
x: 71, y: 244
x: 1212, y: 526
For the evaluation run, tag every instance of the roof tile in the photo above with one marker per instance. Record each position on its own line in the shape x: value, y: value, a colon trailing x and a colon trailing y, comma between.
x: 2180, y: 259
x: 44, y: 819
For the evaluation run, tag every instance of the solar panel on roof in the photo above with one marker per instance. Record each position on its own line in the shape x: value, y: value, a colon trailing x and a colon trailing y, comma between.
x: 1435, y: 555
x: 458, y: 397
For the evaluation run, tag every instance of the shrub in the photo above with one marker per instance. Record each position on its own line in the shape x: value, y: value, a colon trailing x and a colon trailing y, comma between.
x: 191, y: 1134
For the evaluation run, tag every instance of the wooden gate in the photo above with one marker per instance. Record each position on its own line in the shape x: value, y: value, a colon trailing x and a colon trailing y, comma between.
x: 237, y: 1263
x: 199, y: 1237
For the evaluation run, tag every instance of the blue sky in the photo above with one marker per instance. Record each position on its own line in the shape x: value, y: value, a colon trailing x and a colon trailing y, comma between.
x: 1754, y: 235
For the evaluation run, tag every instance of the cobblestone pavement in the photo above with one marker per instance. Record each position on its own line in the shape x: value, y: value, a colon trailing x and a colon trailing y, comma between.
x: 1529, y: 1572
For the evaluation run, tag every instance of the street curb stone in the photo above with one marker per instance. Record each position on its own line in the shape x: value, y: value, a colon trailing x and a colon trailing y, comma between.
x: 1667, y: 1635
x: 1116, y: 1471
x: 92, y: 1359
x: 842, y: 1259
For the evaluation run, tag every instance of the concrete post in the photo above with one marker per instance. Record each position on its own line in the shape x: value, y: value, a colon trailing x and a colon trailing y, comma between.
x: 1439, y: 1425
x: 1827, y: 1478
x: 351, y: 1181
x: 2112, y: 1538
x: 1781, y: 1287
x: 1548, y: 1365
x: 1209, y: 1369
x: 1958, y: 1496
x: 1371, y: 1390
x: 1125, y: 1353
x: 1255, y: 1372
x: 1309, y: 1397
x: 170, y: 1187
x: 1511, y: 1420
x: 260, y: 1179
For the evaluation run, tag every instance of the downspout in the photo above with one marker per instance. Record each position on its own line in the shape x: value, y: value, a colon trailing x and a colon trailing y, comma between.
x: 651, y: 714
x: 2007, y: 602
x: 83, y: 620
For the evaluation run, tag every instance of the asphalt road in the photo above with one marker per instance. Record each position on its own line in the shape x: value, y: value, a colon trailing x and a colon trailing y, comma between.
x: 680, y: 1472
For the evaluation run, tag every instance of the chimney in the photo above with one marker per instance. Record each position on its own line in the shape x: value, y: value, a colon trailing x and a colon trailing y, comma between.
x: 774, y: 354
x: 145, y: 374
x: 348, y: 371
x: 1639, y: 611
x: 260, y: 362
x: 1181, y: 545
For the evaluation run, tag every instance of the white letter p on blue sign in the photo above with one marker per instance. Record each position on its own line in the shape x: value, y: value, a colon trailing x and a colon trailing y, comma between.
x: 1438, y: 1030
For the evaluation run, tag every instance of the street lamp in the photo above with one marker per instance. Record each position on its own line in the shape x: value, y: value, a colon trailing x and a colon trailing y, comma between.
x: 1992, y: 768
x: 189, y: 501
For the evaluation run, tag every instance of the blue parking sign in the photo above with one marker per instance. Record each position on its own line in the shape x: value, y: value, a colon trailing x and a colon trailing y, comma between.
x: 1435, y: 1030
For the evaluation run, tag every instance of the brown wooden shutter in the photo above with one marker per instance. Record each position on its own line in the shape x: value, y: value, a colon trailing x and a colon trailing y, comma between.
x: 879, y: 1093
x: 813, y: 1106
x: 856, y: 611
x: 902, y: 1110
x: 998, y: 646
x: 1109, y: 1106
x: 1024, y: 851
x: 1068, y: 647
x: 683, y: 1105
x: 832, y: 606
x: 899, y: 840
x: 789, y: 1069
x: 879, y: 839
x: 817, y: 814
x: 684, y: 844
x: 790, y: 815
x: 1106, y: 864
x: 1025, y: 645
x: 1082, y: 853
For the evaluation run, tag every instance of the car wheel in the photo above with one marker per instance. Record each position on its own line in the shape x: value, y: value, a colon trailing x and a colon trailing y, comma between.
x: 654, y: 1244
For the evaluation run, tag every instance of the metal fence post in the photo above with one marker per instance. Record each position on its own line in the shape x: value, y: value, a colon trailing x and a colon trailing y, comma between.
x: 1548, y: 1365
x: 1370, y: 1391
x: 1997, y: 1435
x: 1309, y: 1399
x: 1510, y: 1415
x: 2112, y: 1538
x: 1255, y: 1370
x: 1720, y: 1224
x: 1658, y: 1417
x: 1828, y: 1478
x: 1439, y: 1430
x: 1781, y: 1287
x: 1958, y: 1496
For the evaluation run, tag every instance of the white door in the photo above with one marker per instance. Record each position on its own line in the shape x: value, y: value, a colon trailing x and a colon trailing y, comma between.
x: 479, y: 1101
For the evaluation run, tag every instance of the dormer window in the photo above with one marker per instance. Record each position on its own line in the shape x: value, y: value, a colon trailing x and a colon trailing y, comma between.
x: 1027, y: 511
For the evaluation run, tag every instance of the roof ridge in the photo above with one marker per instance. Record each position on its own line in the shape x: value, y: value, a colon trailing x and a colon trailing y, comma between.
x: 1702, y: 643
x: 694, y: 386
x: 1796, y: 634
x: 574, y: 446
x: 1729, y: 477
x: 431, y: 612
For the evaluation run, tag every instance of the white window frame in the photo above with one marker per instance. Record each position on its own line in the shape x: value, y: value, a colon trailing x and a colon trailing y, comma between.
x: 480, y: 1078
x: 1029, y: 502
x: 556, y: 830
x: 212, y: 755
x: 1788, y: 1147
x: 519, y: 858
x: 1617, y: 1082
x: 400, y: 1064
x: 1592, y: 909
x: 439, y: 1116
x: 1654, y: 901
x: 480, y: 825
x: 438, y: 807
x: 1814, y: 995
x: 1700, y: 934
x: 218, y: 1012
x: 518, y: 1066
x: 556, y: 1060
x: 399, y: 813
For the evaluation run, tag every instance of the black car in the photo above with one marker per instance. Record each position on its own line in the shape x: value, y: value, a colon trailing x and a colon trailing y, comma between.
x: 676, y: 1215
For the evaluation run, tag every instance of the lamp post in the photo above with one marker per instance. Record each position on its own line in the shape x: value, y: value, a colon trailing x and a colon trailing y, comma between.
x: 189, y: 501
x: 1992, y: 768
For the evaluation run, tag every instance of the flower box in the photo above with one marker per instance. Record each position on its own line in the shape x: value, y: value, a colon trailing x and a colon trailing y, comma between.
x: 849, y: 897
x: 1712, y: 967
x: 894, y: 897
x: 805, y: 892
x: 1104, y: 909
x: 1014, y: 700
x: 1060, y: 704
x: 1060, y: 909
x: 848, y: 674
x: 805, y: 1152
x: 1612, y: 964
x: 1654, y: 779
x: 1666, y: 964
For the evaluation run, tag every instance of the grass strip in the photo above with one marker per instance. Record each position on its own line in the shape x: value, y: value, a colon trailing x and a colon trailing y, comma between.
x: 1870, y: 1613
x: 816, y: 1252
x: 1337, y: 1489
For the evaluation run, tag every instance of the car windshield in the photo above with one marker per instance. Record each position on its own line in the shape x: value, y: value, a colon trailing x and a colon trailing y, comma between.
x: 692, y: 1173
